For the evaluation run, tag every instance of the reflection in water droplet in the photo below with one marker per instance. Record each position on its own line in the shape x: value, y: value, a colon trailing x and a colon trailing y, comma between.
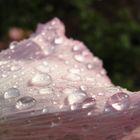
x: 25, y: 102
x: 41, y: 79
x: 119, y: 101
x: 11, y: 93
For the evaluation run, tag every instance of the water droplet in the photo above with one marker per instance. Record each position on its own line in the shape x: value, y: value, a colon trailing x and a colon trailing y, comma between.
x: 90, y: 66
x: 83, y: 87
x: 4, y: 75
x: 76, y: 48
x: 41, y: 79
x: 103, y: 72
x: 75, y: 99
x: 69, y: 90
x: 58, y: 40
x: 88, y: 102
x: 3, y: 62
x: 13, y: 45
x: 45, y: 63
x: 11, y: 93
x: 74, y: 70
x: 15, y: 67
x: 79, y: 58
x: 119, y: 101
x: 73, y: 77
x: 46, y: 90
x: 44, y: 110
x: 25, y: 102
x: 100, y: 94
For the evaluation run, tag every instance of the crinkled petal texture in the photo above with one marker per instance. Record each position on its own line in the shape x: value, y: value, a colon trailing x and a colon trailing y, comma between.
x: 53, y: 88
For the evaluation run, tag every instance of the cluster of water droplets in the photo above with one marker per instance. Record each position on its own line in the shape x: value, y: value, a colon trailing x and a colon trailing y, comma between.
x: 77, y: 99
x: 82, y: 55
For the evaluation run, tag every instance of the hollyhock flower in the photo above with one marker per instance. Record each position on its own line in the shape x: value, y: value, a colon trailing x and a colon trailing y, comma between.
x: 54, y: 88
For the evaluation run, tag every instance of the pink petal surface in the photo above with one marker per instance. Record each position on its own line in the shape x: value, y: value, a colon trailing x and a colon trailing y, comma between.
x: 54, y: 88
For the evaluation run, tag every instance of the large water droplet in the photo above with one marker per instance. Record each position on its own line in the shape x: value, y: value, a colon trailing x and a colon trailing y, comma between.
x: 11, y: 93
x: 41, y: 79
x: 25, y: 102
x: 75, y: 99
x: 119, y: 101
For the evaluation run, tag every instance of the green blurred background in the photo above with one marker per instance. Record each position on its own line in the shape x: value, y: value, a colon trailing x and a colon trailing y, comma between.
x: 110, y: 28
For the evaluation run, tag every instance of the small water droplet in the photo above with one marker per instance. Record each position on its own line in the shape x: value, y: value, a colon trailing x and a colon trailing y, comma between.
x: 58, y: 40
x: 74, y: 70
x: 83, y: 87
x: 44, y: 110
x: 73, y: 77
x: 25, y: 102
x: 3, y: 62
x: 11, y: 93
x: 79, y: 58
x: 76, y: 48
x: 41, y: 79
x: 90, y: 66
x: 100, y: 93
x: 45, y: 63
x: 103, y: 72
x: 13, y: 45
x: 119, y: 101
x: 47, y: 90
x: 15, y: 67
x: 4, y: 75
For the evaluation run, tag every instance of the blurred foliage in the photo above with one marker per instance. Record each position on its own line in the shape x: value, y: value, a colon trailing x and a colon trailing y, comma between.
x: 110, y: 28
